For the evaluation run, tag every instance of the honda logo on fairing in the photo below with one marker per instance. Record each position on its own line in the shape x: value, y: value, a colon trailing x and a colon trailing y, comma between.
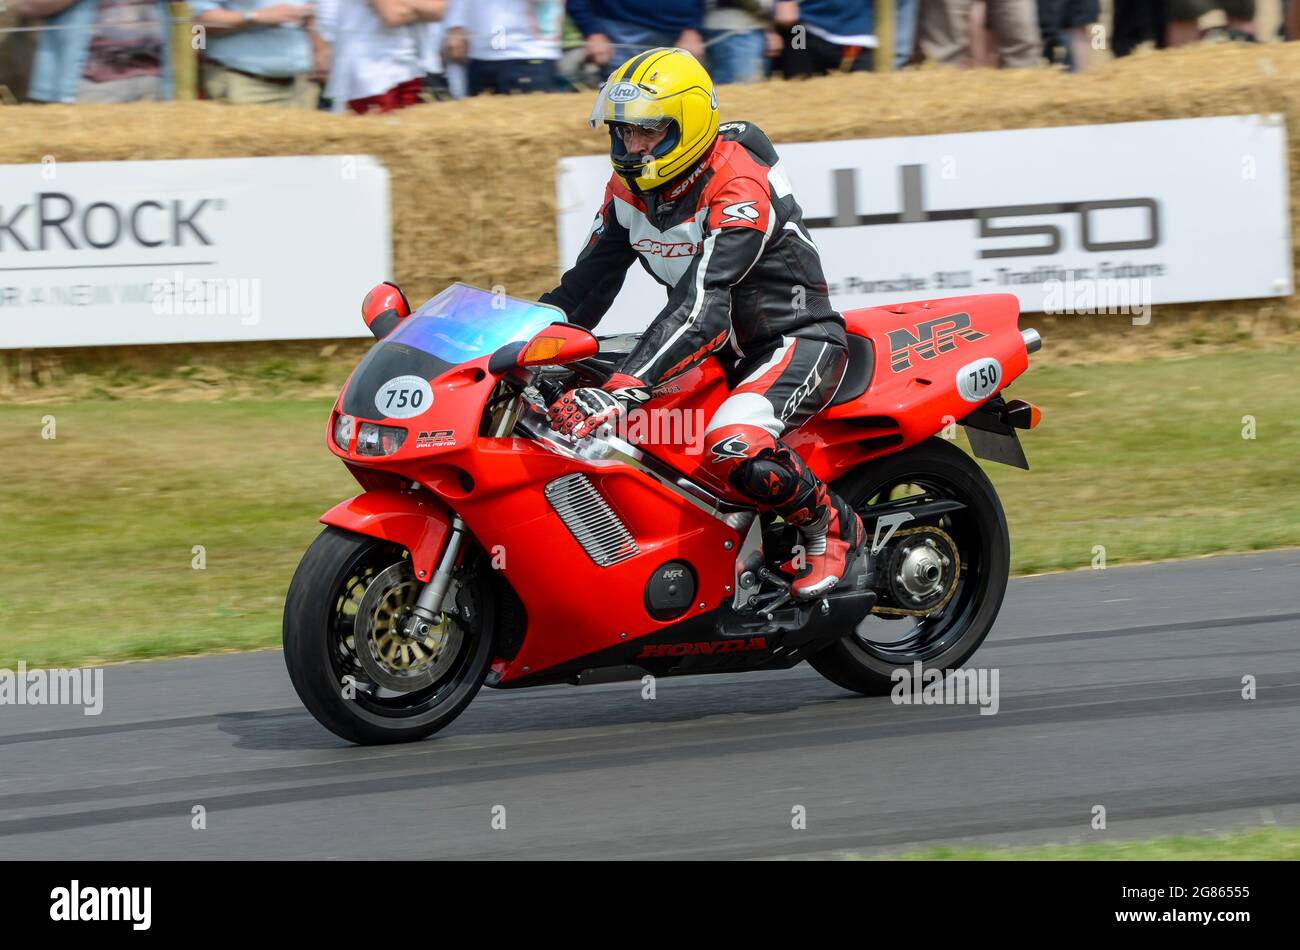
x: 931, y: 338
x: 702, y: 648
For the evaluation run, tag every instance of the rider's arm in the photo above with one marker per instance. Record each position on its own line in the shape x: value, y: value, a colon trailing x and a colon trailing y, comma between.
x: 697, y: 318
x: 589, y: 287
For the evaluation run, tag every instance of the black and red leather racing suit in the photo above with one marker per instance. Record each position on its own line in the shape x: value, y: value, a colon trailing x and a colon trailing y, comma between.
x: 745, y: 284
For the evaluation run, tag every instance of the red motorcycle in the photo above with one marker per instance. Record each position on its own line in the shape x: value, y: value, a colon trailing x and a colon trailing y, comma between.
x: 458, y: 563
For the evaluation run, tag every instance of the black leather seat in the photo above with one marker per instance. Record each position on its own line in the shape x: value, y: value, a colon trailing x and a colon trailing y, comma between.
x: 857, y: 375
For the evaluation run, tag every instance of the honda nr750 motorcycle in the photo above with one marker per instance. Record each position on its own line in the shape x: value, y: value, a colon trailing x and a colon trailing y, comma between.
x: 457, y: 563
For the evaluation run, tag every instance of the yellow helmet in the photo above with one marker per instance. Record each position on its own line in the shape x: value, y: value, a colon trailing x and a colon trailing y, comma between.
x: 662, y: 87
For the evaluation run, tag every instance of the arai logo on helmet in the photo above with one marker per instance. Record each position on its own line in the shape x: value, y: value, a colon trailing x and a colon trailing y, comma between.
x: 623, y: 92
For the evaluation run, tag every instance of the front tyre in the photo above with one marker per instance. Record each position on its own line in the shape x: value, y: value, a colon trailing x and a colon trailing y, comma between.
x: 955, y: 619
x: 351, y: 593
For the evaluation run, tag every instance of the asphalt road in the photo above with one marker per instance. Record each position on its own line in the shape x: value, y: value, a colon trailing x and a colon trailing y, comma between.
x: 1119, y: 688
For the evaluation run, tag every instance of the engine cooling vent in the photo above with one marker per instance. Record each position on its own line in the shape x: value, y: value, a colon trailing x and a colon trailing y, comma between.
x: 593, y: 523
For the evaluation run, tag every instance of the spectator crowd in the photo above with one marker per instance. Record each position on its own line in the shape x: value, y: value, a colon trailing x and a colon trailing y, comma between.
x: 380, y: 55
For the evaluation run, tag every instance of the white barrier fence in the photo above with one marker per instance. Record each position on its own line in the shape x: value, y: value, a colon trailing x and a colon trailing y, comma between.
x: 1071, y: 220
x: 102, y: 253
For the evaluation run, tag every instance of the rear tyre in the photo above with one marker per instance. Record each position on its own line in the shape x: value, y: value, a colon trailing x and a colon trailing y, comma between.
x: 351, y: 592
x: 865, y: 659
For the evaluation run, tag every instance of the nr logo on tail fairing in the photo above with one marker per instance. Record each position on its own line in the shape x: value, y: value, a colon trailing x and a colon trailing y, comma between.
x: 930, y: 338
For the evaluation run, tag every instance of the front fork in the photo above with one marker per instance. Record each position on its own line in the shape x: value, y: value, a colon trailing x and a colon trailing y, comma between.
x: 428, y: 606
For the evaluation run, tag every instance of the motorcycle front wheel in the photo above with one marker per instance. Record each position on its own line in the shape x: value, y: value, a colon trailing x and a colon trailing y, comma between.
x: 968, y: 551
x: 349, y: 661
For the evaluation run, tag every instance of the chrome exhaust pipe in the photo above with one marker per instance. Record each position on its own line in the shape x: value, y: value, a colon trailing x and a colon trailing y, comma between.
x: 1033, y: 341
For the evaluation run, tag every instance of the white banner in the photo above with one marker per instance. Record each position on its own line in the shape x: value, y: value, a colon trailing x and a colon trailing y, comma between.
x: 99, y: 253
x: 1074, y: 220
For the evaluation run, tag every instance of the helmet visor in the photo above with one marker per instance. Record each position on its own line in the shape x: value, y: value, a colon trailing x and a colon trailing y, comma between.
x: 628, y: 104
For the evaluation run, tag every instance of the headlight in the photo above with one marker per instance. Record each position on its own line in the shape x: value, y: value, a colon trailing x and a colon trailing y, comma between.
x: 379, y: 440
x: 344, y: 426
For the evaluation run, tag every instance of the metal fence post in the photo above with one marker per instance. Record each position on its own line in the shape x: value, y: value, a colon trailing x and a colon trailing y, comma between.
x: 884, y: 36
x: 185, y: 59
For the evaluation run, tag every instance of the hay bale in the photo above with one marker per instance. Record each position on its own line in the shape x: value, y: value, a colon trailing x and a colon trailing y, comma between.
x: 473, y: 183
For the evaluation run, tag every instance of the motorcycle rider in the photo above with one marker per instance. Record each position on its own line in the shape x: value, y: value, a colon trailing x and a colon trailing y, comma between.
x: 709, y: 211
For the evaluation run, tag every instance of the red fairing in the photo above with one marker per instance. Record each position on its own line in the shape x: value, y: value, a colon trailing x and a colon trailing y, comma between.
x: 899, y: 408
x: 918, y: 351
x: 416, y: 521
x: 574, y: 606
x: 497, y: 486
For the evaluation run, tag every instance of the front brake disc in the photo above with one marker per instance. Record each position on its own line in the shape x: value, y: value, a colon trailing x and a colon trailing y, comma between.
x: 391, y: 659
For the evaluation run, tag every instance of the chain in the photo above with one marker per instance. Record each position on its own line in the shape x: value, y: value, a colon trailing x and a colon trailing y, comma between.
x: 952, y: 589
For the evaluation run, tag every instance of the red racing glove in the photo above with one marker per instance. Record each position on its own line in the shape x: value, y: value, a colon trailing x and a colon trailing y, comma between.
x: 580, y: 412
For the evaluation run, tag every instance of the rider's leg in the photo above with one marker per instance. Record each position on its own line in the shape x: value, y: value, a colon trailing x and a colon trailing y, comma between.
x: 742, y: 447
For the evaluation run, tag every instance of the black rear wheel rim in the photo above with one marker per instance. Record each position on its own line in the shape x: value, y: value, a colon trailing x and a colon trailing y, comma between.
x: 923, y: 639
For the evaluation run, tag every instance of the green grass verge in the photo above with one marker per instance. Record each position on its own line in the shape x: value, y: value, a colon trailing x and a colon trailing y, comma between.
x: 1256, y: 844
x: 1148, y: 460
x: 99, y: 524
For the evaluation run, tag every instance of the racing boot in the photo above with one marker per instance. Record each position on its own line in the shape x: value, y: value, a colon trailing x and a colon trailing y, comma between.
x: 774, y: 476
x: 832, y: 532
x: 832, y: 545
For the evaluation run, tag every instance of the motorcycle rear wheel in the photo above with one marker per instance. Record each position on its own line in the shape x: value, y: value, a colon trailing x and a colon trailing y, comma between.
x: 321, y: 645
x: 865, y: 659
